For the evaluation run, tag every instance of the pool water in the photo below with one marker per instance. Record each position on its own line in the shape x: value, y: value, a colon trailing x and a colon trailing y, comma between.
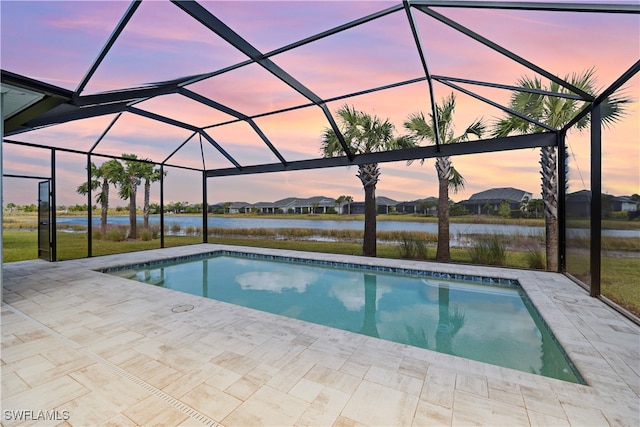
x: 491, y: 323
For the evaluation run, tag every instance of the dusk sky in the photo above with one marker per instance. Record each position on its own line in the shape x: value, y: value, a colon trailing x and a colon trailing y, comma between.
x: 56, y: 42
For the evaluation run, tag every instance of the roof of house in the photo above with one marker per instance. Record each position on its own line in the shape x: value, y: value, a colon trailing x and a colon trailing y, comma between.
x: 579, y: 196
x: 418, y: 201
x: 496, y: 195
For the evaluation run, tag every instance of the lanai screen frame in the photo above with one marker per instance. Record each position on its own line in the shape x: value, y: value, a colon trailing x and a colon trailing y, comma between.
x: 59, y: 105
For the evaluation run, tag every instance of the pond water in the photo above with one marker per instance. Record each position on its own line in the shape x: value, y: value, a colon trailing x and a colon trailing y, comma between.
x: 322, y: 224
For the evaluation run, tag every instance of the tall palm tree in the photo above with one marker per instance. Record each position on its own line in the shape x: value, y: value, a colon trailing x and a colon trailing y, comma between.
x: 448, y: 177
x: 128, y: 182
x: 102, y: 177
x: 555, y: 112
x: 150, y: 175
x: 363, y: 134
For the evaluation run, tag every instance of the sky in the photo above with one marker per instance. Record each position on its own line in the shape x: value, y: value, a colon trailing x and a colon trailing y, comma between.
x: 56, y: 42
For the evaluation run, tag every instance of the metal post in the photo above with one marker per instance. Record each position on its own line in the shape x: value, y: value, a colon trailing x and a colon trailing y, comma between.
x: 562, y: 194
x: 205, y: 227
x: 162, y: 206
x: 89, y: 222
x: 596, y: 199
x: 53, y: 237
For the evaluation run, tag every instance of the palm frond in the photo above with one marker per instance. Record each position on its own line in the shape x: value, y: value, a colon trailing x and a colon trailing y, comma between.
x: 456, y: 181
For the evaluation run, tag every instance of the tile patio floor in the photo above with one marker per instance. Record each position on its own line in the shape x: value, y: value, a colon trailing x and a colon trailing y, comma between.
x: 103, y: 350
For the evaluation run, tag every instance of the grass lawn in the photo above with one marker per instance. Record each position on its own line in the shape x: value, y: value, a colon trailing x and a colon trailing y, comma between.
x: 619, y: 275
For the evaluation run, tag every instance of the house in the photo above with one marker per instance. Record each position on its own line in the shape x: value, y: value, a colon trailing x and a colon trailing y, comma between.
x: 578, y: 204
x: 239, y: 207
x: 384, y: 205
x: 427, y: 205
x: 623, y: 204
x: 316, y: 204
x: 489, y: 201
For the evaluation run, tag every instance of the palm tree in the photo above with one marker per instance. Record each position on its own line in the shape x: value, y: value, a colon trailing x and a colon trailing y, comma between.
x: 102, y: 177
x: 128, y: 182
x: 448, y: 177
x: 364, y: 134
x: 556, y: 112
x: 150, y: 175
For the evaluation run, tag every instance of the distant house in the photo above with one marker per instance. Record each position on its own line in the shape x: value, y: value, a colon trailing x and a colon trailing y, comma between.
x: 623, y: 204
x: 384, y: 205
x: 316, y: 204
x: 239, y: 207
x: 489, y: 200
x: 265, y: 207
x: 419, y: 206
x: 579, y: 204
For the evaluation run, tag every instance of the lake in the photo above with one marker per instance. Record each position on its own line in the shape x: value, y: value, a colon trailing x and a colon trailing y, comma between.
x: 322, y: 224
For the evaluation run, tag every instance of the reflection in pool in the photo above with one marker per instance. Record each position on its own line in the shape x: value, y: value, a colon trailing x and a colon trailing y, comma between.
x: 487, y: 322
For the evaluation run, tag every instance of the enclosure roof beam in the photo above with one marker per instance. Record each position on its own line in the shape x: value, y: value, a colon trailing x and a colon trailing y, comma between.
x: 443, y: 79
x: 543, y: 6
x: 220, y: 149
x: 220, y: 107
x: 483, y: 146
x: 423, y: 60
x: 464, y: 30
x: 178, y: 148
x: 108, y: 156
x: 497, y: 105
x: 67, y: 113
x: 104, y: 133
x: 105, y: 49
x: 211, y: 103
x: 207, y: 19
x: 132, y: 94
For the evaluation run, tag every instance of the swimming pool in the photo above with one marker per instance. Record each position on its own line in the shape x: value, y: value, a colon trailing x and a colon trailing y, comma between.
x: 480, y: 318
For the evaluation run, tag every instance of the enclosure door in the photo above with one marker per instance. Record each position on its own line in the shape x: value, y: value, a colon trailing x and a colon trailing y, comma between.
x: 44, y: 221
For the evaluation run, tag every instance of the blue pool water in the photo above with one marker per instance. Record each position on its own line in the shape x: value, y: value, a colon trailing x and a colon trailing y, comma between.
x: 483, y: 319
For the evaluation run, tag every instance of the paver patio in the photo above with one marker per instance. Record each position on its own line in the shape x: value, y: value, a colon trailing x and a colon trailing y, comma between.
x: 87, y: 348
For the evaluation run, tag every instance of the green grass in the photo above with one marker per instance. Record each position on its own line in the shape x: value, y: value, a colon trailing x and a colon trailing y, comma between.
x: 619, y: 275
x: 19, y: 245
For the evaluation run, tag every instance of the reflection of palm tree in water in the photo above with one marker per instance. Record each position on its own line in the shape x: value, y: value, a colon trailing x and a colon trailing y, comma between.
x: 369, y: 322
x: 205, y: 277
x: 449, y: 321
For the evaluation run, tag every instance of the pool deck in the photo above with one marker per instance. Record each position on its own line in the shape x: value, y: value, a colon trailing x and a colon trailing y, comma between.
x: 92, y: 350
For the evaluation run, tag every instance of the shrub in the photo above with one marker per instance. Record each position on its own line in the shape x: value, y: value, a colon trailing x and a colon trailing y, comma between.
x: 488, y: 250
x: 146, y: 234
x: 175, y: 227
x: 411, y: 247
x: 536, y: 259
x: 618, y: 215
x: 116, y: 234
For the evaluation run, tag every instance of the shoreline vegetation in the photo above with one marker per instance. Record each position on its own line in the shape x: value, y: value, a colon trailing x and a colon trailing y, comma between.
x: 619, y: 260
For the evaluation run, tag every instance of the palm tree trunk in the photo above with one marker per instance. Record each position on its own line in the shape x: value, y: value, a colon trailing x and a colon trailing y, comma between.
x: 443, y: 167
x: 549, y: 172
x: 369, y: 247
x: 369, y: 175
x: 105, y: 207
x: 442, y: 252
x: 133, y: 232
x: 145, y: 210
